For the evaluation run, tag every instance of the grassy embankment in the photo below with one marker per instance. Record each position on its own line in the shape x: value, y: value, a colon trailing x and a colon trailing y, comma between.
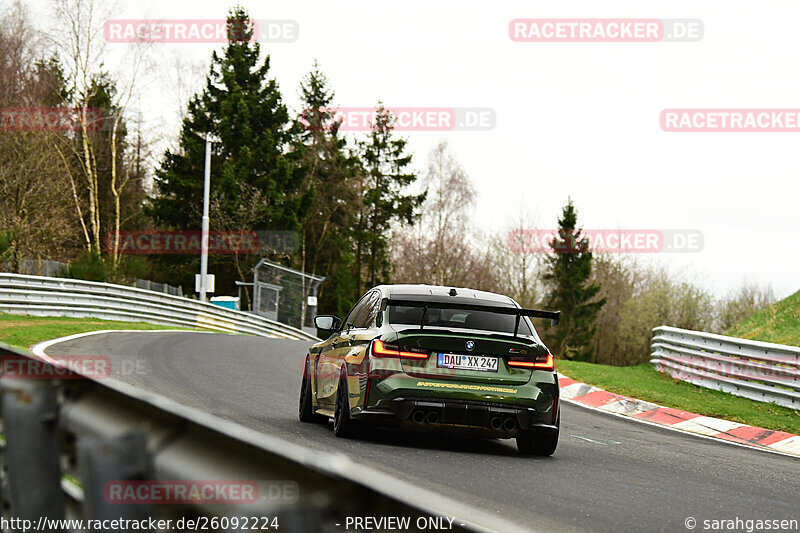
x: 778, y: 323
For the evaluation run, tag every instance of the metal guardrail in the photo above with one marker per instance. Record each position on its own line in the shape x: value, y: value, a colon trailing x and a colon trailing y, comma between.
x: 757, y: 370
x: 44, y: 296
x: 66, y: 441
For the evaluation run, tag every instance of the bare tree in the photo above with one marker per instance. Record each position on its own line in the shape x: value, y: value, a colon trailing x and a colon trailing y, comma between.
x: 740, y: 303
x: 185, y: 77
x: 443, y: 248
x: 32, y: 185
x: 451, y: 197
x: 17, y: 55
x: 34, y: 220
x: 80, y: 43
x: 79, y: 40
x: 619, y: 276
x: 519, y: 268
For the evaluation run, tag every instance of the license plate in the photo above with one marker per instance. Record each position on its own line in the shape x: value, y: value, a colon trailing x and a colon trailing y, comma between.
x: 467, y: 362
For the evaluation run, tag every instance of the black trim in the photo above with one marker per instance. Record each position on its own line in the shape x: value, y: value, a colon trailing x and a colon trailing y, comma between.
x: 461, y: 413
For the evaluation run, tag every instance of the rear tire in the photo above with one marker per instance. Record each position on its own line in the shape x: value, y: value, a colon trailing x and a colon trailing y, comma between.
x: 539, y: 443
x: 306, y: 409
x: 343, y: 425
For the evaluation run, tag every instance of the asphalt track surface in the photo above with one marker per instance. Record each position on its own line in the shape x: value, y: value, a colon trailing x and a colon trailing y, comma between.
x: 608, y: 474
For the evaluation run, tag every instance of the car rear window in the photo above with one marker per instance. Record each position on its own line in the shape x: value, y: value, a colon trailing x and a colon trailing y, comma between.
x: 458, y: 318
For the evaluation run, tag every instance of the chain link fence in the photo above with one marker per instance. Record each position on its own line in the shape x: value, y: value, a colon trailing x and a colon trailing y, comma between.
x: 286, y: 295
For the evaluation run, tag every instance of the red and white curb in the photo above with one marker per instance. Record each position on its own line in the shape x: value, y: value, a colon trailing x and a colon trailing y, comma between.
x: 583, y: 394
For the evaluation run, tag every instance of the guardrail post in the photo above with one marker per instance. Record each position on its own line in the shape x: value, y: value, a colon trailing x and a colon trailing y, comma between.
x: 112, y: 459
x: 31, y: 455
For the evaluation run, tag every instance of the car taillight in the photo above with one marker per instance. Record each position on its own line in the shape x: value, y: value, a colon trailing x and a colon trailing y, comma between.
x: 379, y: 349
x: 548, y: 363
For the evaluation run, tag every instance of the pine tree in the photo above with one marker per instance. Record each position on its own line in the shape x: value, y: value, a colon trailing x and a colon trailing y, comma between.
x: 385, y: 177
x: 569, y: 271
x: 326, y: 234
x: 243, y: 108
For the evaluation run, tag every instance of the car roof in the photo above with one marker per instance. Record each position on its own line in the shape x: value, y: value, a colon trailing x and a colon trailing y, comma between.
x: 442, y: 293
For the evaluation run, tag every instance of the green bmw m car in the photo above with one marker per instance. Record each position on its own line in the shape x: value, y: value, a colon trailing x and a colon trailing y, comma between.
x: 431, y: 358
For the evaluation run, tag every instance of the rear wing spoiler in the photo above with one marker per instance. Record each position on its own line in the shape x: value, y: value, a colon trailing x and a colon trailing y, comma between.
x: 503, y: 310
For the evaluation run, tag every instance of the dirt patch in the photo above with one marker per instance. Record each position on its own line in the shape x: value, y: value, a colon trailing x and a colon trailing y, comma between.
x: 14, y: 324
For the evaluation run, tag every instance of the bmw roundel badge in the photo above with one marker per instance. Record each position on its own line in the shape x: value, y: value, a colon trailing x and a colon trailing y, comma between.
x: 470, y: 345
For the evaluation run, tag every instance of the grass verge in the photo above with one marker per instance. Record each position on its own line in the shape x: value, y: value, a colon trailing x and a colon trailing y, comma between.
x: 645, y: 383
x: 25, y: 331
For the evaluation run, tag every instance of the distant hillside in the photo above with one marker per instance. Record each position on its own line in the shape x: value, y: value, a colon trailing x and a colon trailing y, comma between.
x: 779, y: 323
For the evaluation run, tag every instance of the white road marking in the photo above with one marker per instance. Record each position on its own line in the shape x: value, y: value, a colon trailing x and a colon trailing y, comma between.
x: 39, y: 349
x: 587, y: 439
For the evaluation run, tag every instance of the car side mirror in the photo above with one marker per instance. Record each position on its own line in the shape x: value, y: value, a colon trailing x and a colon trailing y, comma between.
x: 326, y: 325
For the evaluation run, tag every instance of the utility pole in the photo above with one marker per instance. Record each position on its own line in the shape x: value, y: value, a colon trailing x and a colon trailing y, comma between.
x: 204, y: 232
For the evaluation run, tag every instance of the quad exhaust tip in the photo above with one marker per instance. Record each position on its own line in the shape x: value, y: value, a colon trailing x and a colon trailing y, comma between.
x: 432, y: 417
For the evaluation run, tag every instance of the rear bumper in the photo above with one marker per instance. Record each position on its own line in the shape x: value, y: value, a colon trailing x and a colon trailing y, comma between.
x: 486, y: 418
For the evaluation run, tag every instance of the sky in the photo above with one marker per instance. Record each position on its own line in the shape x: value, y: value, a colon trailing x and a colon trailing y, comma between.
x: 572, y: 119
